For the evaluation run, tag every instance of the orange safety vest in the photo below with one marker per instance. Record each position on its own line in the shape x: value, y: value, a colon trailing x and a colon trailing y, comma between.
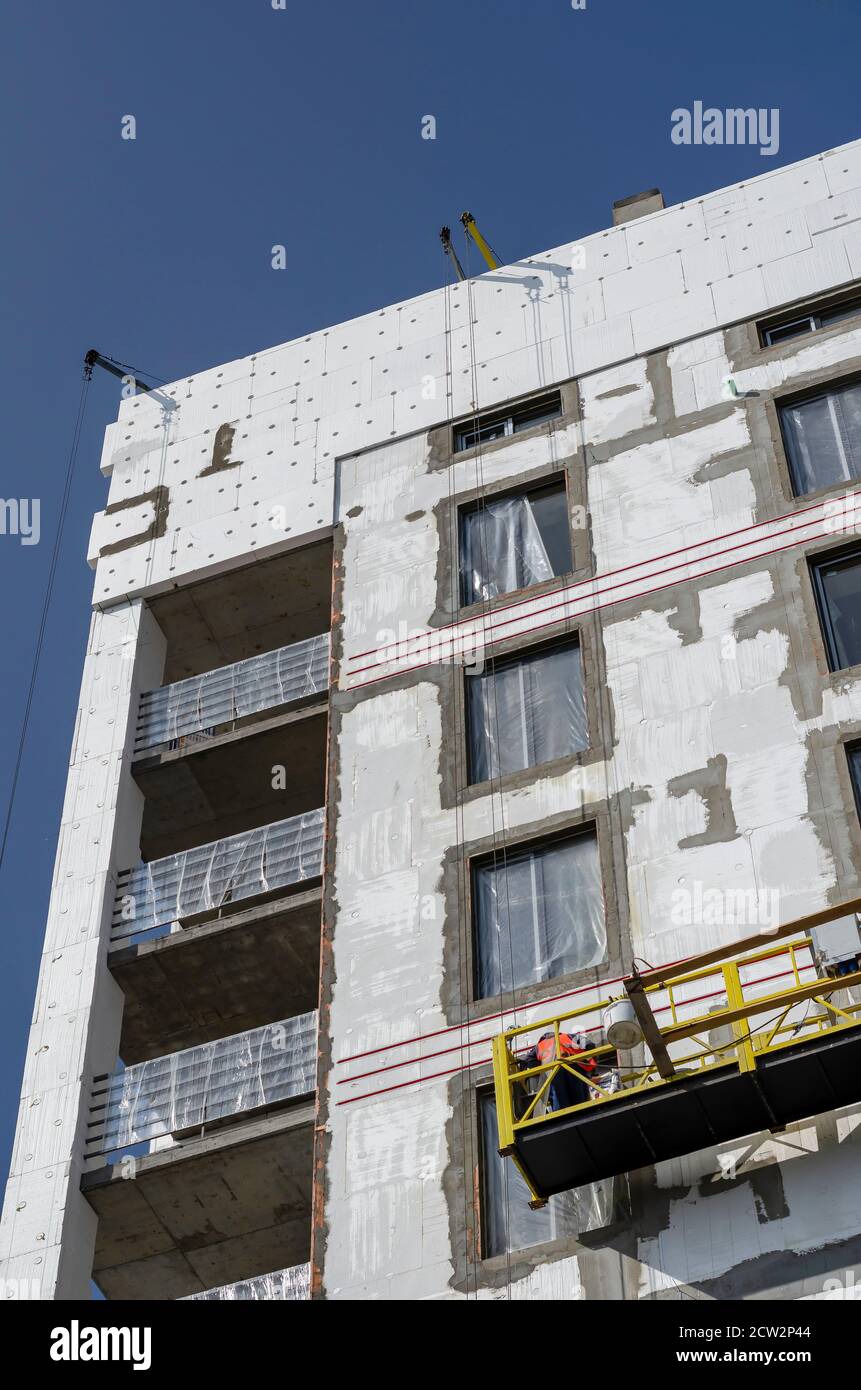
x: 568, y: 1047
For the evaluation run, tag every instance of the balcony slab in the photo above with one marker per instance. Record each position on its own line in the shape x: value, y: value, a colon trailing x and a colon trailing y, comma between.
x: 223, y: 786
x: 222, y: 976
x: 206, y: 1212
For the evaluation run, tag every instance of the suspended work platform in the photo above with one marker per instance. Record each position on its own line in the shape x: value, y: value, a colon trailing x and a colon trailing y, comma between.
x: 729, y: 1044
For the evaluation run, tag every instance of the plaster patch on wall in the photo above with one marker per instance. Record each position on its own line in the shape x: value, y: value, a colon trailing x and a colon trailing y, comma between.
x: 617, y: 402
x: 645, y: 501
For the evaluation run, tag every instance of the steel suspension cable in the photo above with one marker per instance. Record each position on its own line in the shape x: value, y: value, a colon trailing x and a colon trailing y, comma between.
x: 46, y: 603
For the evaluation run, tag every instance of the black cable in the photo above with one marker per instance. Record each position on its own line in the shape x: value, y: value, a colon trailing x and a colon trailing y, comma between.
x: 138, y: 371
x: 52, y: 572
x: 495, y: 779
x: 466, y: 1093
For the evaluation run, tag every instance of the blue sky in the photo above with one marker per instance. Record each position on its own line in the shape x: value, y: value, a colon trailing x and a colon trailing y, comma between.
x: 302, y: 127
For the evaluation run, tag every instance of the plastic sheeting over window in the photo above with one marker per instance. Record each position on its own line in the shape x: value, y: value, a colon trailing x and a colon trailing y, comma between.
x: 525, y: 712
x: 539, y: 913
x: 508, y: 1224
x: 211, y: 876
x: 195, y: 706
x: 823, y: 438
x: 201, y: 1084
x: 287, y: 1286
x: 513, y: 543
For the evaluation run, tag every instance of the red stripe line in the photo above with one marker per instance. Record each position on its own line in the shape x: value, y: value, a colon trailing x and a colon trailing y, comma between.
x: 489, y: 1018
x: 479, y: 1042
x: 490, y: 634
x: 668, y: 555
x: 704, y: 574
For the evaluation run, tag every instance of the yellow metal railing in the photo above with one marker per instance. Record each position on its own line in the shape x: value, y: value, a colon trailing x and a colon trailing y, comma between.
x: 523, y: 1091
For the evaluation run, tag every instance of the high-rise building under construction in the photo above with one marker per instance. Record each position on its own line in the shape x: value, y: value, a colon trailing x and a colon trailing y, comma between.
x: 487, y: 660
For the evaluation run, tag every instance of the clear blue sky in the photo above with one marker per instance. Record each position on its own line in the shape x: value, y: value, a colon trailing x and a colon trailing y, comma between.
x: 302, y: 127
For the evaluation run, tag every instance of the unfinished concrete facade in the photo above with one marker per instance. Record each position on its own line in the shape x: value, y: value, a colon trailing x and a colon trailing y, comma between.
x: 642, y: 375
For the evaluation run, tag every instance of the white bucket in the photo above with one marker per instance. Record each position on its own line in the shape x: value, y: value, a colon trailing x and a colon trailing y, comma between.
x: 621, y: 1025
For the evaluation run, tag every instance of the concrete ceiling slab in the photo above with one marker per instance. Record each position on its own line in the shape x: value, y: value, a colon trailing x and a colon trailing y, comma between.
x: 244, y: 612
x: 220, y: 977
x: 223, y: 786
x: 207, y: 1212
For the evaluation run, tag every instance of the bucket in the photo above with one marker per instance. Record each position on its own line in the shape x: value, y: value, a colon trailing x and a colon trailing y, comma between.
x: 621, y: 1025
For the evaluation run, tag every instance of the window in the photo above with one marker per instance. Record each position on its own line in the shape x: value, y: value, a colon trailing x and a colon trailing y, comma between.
x: 508, y: 1224
x: 837, y: 583
x: 800, y: 324
x: 853, y: 753
x: 514, y: 541
x: 538, y: 914
x: 484, y: 428
x: 822, y: 434
x: 525, y: 711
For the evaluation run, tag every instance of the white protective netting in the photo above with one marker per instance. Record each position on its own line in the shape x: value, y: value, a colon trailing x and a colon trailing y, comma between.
x: 211, y: 876
x: 197, y: 705
x: 199, y: 1085
x: 287, y: 1286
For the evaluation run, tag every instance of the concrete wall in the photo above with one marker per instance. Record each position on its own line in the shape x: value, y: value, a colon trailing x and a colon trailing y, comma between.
x: 348, y: 426
x: 719, y: 762
x: 48, y: 1229
x: 195, y: 491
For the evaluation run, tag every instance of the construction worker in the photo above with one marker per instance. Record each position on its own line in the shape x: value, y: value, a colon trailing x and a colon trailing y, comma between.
x: 566, y: 1089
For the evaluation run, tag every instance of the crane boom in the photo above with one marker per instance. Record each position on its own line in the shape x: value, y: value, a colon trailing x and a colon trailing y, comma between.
x: 487, y: 251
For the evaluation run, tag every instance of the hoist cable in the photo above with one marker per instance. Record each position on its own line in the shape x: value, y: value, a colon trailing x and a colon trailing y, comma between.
x: 49, y: 590
x: 465, y: 1090
x: 495, y: 779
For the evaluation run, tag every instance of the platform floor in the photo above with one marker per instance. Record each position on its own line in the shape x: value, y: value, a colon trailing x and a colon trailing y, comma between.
x: 822, y: 1073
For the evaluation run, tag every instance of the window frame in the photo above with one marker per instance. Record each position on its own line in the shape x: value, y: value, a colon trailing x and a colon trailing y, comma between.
x: 556, y: 481
x: 815, y: 564
x: 520, y: 655
x: 485, y: 1095
x: 827, y: 313
x: 853, y: 748
x: 589, y: 827
x: 515, y: 419
x: 796, y: 398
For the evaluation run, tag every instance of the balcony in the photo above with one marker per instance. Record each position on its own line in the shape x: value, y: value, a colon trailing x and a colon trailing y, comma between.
x: 196, y: 710
x: 219, y: 779
x: 287, y: 1286
x: 211, y: 877
x: 244, y: 694
x: 194, y: 1088
x: 226, y: 1188
x: 225, y: 975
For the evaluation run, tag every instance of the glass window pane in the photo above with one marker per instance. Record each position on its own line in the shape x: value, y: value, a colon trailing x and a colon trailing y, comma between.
x: 526, y: 712
x: 550, y: 509
x: 849, y: 310
x: 841, y: 592
x: 484, y: 434
x: 523, y: 417
x: 508, y: 1224
x: 823, y: 439
x: 539, y: 914
x: 538, y: 415
x: 796, y: 329
x: 854, y: 755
